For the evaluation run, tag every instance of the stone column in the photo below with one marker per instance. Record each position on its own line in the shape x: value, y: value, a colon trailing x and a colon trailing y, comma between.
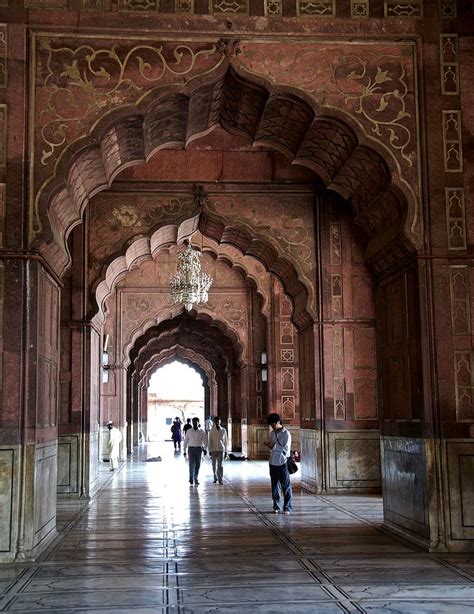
x: 28, y: 444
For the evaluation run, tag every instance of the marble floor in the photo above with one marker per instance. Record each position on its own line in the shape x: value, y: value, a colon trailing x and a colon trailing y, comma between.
x: 148, y: 542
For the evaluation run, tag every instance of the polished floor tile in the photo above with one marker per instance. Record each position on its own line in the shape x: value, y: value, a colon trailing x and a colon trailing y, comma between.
x: 148, y: 542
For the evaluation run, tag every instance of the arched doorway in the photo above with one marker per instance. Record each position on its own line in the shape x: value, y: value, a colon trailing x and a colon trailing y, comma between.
x: 290, y: 250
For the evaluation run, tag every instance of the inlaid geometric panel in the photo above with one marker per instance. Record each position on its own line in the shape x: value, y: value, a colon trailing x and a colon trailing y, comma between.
x: 452, y: 140
x: 286, y: 307
x: 287, y: 355
x: 93, y: 5
x: 365, y: 399
x: 338, y: 349
x: 460, y: 299
x: 273, y: 8
x: 456, y: 218
x: 316, y: 8
x: 362, y: 296
x: 3, y: 135
x: 45, y: 4
x: 447, y: 9
x: 231, y: 7
x: 364, y: 348
x: 339, y: 399
x: 139, y: 5
x: 395, y: 8
x: 286, y: 333
x: 288, y: 378
x: 184, y: 7
x: 258, y: 407
x: 359, y: 8
x: 337, y: 296
x: 288, y: 407
x: 449, y: 55
x: 2, y: 213
x: 335, y: 241
x: 464, y: 383
x: 3, y: 55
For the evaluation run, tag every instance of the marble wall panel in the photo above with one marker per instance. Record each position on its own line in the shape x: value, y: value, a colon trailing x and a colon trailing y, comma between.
x: 460, y: 500
x: 354, y: 460
x: 43, y: 513
x: 7, y: 478
x: 91, y: 465
x: 405, y: 484
x: 68, y: 464
x: 257, y: 436
x: 310, y: 450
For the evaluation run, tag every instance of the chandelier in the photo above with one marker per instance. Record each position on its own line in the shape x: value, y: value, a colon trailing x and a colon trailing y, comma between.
x: 189, y: 285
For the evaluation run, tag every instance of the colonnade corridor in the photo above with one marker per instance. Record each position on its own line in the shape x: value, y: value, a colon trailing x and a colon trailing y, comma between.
x: 148, y: 542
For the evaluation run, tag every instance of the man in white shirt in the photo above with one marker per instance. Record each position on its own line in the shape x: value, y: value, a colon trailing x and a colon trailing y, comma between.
x: 115, y: 439
x: 280, y: 446
x: 217, y: 449
x: 195, y: 443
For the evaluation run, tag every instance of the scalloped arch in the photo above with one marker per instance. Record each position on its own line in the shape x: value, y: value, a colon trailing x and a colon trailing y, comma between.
x: 144, y: 248
x: 173, y: 117
x: 176, y: 352
x: 228, y: 331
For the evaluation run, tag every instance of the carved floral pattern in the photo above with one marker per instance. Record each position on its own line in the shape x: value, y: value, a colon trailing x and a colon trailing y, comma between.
x: 288, y: 220
x: 77, y: 83
x: 373, y: 87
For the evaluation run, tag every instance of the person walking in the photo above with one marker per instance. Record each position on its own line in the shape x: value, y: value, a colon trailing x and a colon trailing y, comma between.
x: 115, y: 439
x: 217, y: 449
x: 280, y: 446
x: 176, y: 434
x: 195, y: 444
x: 187, y: 426
x: 208, y: 424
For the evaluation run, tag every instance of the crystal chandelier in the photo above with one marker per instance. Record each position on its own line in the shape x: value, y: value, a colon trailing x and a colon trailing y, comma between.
x: 189, y: 285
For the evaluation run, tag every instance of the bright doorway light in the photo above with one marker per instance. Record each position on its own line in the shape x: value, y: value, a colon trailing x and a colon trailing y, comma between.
x: 174, y: 390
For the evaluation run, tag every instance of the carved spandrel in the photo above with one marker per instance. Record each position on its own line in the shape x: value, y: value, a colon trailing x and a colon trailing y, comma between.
x: 374, y: 86
x: 99, y: 75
